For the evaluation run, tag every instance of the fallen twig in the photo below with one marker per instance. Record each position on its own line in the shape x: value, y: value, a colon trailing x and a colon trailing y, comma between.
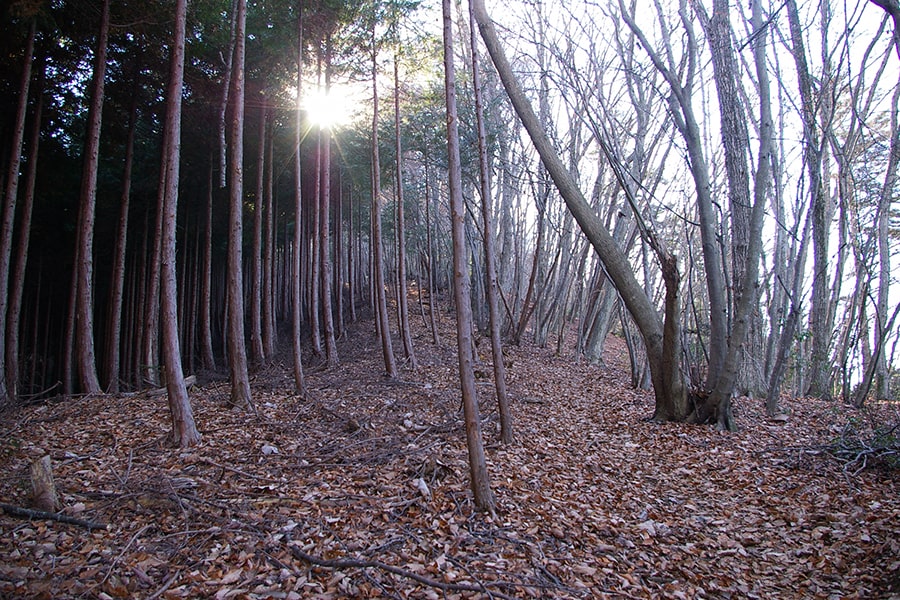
x: 168, y: 583
x: 29, y: 513
x: 374, y: 564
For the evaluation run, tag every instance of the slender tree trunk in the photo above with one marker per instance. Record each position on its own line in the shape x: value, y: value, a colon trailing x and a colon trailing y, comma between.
x: 296, y: 262
x: 150, y: 361
x: 403, y: 304
x: 116, y: 288
x: 381, y: 313
x: 491, y: 285
x: 257, y: 352
x: 206, y: 349
x: 325, y: 269
x: 17, y: 276
x: 314, y: 276
x: 883, y: 378
x: 478, y: 473
x: 84, y: 302
x: 237, y: 349
x: 430, y: 257
x: 9, y: 204
x: 184, y: 430
x: 338, y: 254
x: 226, y: 92
x: 819, y: 368
x: 527, y: 305
x: 352, y: 263
x: 268, y: 293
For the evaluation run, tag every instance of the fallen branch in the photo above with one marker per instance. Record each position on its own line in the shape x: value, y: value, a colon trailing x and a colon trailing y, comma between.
x: 374, y: 564
x: 28, y: 513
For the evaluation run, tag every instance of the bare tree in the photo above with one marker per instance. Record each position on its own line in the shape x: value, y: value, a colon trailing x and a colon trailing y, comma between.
x: 478, y: 473
x: 819, y: 318
x: 662, y: 339
x: 491, y: 285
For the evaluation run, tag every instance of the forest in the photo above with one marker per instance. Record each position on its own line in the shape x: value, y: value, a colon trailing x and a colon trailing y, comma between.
x: 416, y: 299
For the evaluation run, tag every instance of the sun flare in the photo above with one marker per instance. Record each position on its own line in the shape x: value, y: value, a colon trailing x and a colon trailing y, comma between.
x: 328, y: 110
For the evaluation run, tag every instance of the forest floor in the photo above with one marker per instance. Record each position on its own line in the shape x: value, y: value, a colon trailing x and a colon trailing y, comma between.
x: 319, y: 498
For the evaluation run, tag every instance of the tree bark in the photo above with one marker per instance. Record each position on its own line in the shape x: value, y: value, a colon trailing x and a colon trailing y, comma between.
x: 208, y: 359
x: 184, y: 430
x: 268, y: 291
x: 237, y: 349
x: 491, y: 285
x: 478, y: 473
x: 17, y: 276
x: 381, y: 314
x: 402, y: 301
x: 116, y: 288
x: 226, y: 93
x: 883, y: 381
x: 325, y: 267
x: 257, y: 351
x: 819, y: 367
x: 84, y: 302
x: 8, y: 209
x: 296, y: 261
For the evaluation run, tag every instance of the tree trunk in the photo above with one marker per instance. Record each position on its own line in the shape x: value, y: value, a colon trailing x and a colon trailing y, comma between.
x: 662, y: 341
x: 8, y: 208
x: 403, y: 304
x: 325, y: 268
x: 116, y: 288
x: 206, y: 350
x: 268, y: 259
x: 478, y: 473
x: 314, y: 276
x: 84, y: 302
x: 883, y: 378
x: 257, y: 352
x: 819, y: 367
x: 381, y: 314
x: 237, y: 349
x: 491, y: 285
x: 17, y: 276
x: 296, y: 261
x: 184, y: 430
x: 226, y: 93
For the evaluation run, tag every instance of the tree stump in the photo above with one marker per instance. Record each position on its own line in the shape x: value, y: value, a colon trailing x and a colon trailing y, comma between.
x: 44, y: 496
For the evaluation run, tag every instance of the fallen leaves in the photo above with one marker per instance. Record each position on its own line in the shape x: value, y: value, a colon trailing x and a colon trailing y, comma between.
x: 361, y: 491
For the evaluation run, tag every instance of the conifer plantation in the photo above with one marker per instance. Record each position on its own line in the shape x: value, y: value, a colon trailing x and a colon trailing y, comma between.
x: 420, y: 299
